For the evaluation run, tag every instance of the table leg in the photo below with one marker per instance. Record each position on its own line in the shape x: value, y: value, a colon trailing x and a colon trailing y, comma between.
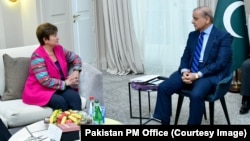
x: 130, y: 103
x: 140, y: 114
x: 149, y: 104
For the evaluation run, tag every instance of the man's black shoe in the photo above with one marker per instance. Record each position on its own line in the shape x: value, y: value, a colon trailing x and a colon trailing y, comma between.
x: 245, y: 107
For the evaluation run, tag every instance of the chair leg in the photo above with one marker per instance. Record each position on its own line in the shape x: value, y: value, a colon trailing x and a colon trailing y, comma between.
x: 178, y: 110
x: 205, y: 113
x: 223, y: 104
x: 211, y: 112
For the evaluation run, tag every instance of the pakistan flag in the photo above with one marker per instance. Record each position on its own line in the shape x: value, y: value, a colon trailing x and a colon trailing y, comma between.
x: 230, y: 16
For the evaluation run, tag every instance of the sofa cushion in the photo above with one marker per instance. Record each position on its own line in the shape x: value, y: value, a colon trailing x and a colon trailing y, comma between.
x: 23, y: 51
x: 16, y: 71
x: 18, y: 113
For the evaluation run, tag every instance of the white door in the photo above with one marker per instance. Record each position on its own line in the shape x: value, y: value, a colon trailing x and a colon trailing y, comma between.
x: 74, y: 20
x: 58, y: 12
x: 83, y: 29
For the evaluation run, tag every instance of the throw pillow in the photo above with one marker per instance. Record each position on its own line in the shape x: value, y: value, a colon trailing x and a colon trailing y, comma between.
x: 16, y: 71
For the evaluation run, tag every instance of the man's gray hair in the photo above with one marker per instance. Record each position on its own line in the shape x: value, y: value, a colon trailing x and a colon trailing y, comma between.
x: 206, y: 12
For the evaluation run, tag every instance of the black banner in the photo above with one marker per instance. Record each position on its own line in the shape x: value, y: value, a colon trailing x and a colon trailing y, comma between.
x: 234, y: 132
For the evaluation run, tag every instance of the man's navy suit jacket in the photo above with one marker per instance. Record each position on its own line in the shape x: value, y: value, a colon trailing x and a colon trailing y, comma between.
x: 217, y: 58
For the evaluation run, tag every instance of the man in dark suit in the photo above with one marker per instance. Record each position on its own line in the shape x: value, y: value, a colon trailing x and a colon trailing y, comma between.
x: 214, y: 64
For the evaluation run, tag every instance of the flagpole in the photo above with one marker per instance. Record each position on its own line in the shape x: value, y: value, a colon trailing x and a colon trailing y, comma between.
x: 235, y: 87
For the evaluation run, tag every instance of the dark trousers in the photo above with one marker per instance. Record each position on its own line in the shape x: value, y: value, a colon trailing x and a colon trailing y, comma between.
x: 245, y: 78
x: 65, y: 100
x: 4, y: 132
x: 199, y: 89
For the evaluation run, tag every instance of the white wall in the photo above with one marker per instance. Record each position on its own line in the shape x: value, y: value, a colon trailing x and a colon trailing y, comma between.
x: 2, y: 36
x: 18, y: 22
x: 30, y: 18
x: 247, y: 8
x: 12, y: 23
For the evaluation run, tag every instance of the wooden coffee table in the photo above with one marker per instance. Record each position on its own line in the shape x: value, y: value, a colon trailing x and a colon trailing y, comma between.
x: 40, y: 129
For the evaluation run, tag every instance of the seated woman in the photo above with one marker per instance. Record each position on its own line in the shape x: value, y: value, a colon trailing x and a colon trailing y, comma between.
x: 48, y: 82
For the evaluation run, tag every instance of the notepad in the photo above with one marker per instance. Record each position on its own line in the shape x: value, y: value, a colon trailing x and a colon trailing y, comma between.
x: 144, y: 78
x: 155, y: 81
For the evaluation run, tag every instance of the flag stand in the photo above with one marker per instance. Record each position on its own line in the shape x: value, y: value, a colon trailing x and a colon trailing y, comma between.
x: 235, y: 87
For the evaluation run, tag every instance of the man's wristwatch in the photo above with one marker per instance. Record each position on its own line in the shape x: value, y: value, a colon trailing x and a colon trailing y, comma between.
x: 196, y: 76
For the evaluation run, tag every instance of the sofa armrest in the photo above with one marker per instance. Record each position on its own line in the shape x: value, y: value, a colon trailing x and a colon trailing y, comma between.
x: 91, y: 83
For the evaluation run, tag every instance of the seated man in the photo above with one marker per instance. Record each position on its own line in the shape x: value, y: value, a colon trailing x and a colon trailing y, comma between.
x: 206, y: 60
x: 245, y: 89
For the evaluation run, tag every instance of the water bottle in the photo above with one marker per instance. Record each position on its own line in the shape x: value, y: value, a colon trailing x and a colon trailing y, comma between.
x: 91, y: 106
x: 97, y: 117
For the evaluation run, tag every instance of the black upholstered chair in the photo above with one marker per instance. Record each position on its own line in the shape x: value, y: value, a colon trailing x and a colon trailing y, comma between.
x: 219, y: 93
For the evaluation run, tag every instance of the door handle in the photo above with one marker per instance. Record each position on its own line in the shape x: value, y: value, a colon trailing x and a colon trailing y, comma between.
x: 75, y: 16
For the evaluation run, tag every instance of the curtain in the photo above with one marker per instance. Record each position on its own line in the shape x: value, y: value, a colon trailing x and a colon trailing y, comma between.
x: 150, y: 42
x: 210, y: 3
x: 118, y: 48
x: 162, y: 29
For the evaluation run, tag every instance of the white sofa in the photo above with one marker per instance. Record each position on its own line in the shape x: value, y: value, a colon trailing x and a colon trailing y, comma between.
x: 14, y: 113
